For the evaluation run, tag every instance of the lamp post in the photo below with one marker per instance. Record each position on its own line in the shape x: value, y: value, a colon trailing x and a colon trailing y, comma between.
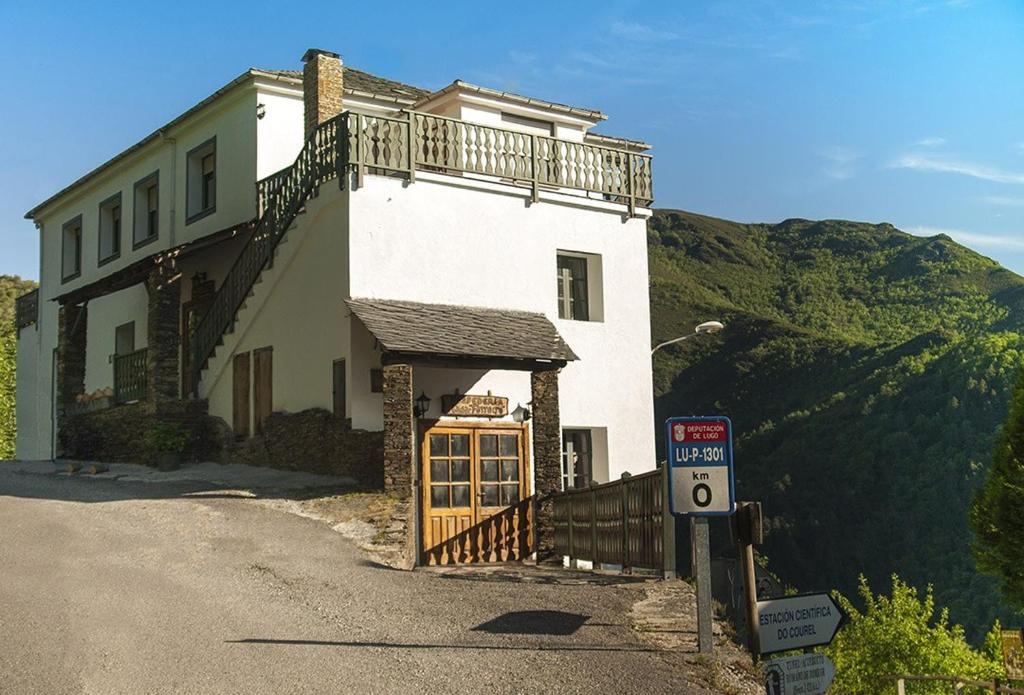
x: 700, y: 541
x: 706, y: 328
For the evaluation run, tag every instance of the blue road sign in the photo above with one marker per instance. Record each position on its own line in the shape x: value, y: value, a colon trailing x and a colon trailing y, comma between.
x: 700, y: 471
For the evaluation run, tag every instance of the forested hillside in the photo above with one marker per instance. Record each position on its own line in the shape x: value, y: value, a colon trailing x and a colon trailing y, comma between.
x: 866, y: 371
x: 10, y: 288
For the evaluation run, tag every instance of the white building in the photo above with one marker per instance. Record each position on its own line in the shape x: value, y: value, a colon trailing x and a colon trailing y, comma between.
x: 458, y: 277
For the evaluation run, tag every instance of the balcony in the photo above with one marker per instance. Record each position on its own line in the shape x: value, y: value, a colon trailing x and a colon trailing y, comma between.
x: 26, y: 310
x: 414, y: 141
x: 130, y: 376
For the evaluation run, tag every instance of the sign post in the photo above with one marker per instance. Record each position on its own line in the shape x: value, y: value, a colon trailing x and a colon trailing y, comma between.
x: 804, y: 674
x: 798, y: 622
x: 700, y: 484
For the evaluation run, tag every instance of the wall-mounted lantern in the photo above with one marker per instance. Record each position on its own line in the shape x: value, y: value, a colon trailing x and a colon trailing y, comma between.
x: 521, y: 413
x: 422, y: 405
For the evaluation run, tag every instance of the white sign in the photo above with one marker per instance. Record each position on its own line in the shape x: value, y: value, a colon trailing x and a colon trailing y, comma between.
x: 796, y: 622
x: 701, y: 489
x: 804, y: 674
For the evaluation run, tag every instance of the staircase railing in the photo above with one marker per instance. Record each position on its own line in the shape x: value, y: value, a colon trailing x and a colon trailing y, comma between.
x: 317, y: 163
x: 405, y: 144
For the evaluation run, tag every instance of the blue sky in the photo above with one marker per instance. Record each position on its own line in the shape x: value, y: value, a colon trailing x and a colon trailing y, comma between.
x: 910, y: 112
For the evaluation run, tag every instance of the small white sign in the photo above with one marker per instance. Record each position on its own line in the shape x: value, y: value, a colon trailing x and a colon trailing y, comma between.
x: 804, y: 674
x: 797, y: 622
x: 701, y: 489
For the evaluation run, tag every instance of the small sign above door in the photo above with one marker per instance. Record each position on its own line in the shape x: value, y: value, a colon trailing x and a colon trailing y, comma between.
x: 462, y: 405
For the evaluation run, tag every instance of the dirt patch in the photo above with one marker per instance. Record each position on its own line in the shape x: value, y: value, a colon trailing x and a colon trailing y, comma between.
x: 365, y: 518
x: 667, y: 618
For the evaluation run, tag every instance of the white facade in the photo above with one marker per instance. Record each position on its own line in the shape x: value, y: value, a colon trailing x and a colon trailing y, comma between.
x: 443, y: 239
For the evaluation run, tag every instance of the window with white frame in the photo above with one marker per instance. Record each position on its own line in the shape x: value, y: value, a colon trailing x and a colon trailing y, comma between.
x: 577, y: 459
x: 110, y: 229
x: 71, y: 249
x: 146, y: 225
x: 202, y: 180
x: 579, y: 286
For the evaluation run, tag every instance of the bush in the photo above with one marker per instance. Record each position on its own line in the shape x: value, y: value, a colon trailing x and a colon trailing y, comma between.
x: 166, y: 438
x: 900, y: 634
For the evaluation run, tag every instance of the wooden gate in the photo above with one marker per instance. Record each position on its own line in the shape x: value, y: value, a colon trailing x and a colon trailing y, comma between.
x: 476, y: 501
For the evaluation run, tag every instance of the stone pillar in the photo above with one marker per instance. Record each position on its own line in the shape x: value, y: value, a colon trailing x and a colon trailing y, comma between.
x: 547, y: 454
x: 399, y: 460
x: 321, y: 87
x: 72, y: 322
x: 163, y: 337
x: 399, y: 437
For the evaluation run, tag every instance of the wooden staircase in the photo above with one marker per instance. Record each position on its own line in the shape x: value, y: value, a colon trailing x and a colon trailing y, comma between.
x: 282, y: 198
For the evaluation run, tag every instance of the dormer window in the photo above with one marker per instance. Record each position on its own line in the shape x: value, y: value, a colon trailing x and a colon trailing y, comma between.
x: 202, y: 180
x: 146, y: 226
x: 71, y: 250
x: 110, y: 229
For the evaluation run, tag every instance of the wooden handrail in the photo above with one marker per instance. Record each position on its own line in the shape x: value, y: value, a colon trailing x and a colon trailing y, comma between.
x: 130, y: 376
x: 958, y: 683
x: 26, y: 310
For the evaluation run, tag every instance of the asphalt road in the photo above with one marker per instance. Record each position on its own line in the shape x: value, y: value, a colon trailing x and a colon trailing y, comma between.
x: 131, y: 587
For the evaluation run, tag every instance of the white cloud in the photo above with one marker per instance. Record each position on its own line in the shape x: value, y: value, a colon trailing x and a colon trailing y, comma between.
x: 636, y: 31
x: 951, y: 166
x: 930, y: 142
x: 840, y: 162
x: 1005, y: 201
x: 991, y: 241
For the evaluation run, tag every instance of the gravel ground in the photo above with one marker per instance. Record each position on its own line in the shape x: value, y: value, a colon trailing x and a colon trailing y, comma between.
x: 131, y: 582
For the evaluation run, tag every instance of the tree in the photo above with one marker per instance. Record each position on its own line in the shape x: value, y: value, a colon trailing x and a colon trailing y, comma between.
x: 997, y: 511
x: 8, y: 345
x: 900, y: 634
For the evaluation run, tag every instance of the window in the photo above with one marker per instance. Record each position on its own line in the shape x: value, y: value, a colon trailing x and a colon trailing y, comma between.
x: 146, y: 225
x: 124, y: 339
x: 572, y: 288
x: 202, y: 180
x: 577, y: 458
x: 376, y: 381
x: 110, y: 229
x: 71, y: 250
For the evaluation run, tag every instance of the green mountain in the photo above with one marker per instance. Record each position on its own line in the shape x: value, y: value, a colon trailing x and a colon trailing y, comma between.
x: 10, y: 288
x: 866, y: 371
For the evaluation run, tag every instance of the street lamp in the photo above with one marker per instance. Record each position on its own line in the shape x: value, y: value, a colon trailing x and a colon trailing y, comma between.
x: 700, y: 550
x: 706, y: 328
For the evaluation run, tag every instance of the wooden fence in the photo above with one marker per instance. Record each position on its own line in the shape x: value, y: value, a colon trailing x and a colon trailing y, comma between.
x: 624, y: 523
x: 958, y: 686
x: 130, y: 377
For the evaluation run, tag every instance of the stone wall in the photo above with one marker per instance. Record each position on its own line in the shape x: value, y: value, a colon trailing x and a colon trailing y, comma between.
x: 314, y: 441
x: 118, y: 434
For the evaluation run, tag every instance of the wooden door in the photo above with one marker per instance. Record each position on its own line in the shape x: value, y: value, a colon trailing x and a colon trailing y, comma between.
x: 475, y: 494
x: 262, y: 385
x: 240, y: 398
x: 338, y: 387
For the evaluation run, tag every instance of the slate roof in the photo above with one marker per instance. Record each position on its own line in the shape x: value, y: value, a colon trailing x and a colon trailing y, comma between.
x: 444, y: 329
x: 358, y: 80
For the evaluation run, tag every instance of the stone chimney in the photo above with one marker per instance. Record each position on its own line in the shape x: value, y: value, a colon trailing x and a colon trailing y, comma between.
x: 321, y: 87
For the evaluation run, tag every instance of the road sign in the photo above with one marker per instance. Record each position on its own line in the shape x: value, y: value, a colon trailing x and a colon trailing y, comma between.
x: 796, y: 622
x: 700, y: 466
x: 1013, y: 654
x: 804, y: 674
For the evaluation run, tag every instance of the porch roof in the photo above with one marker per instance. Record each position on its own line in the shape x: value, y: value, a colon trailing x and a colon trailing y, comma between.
x: 438, y: 331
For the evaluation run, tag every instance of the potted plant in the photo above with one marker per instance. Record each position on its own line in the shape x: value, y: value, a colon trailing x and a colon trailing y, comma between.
x: 166, y: 443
